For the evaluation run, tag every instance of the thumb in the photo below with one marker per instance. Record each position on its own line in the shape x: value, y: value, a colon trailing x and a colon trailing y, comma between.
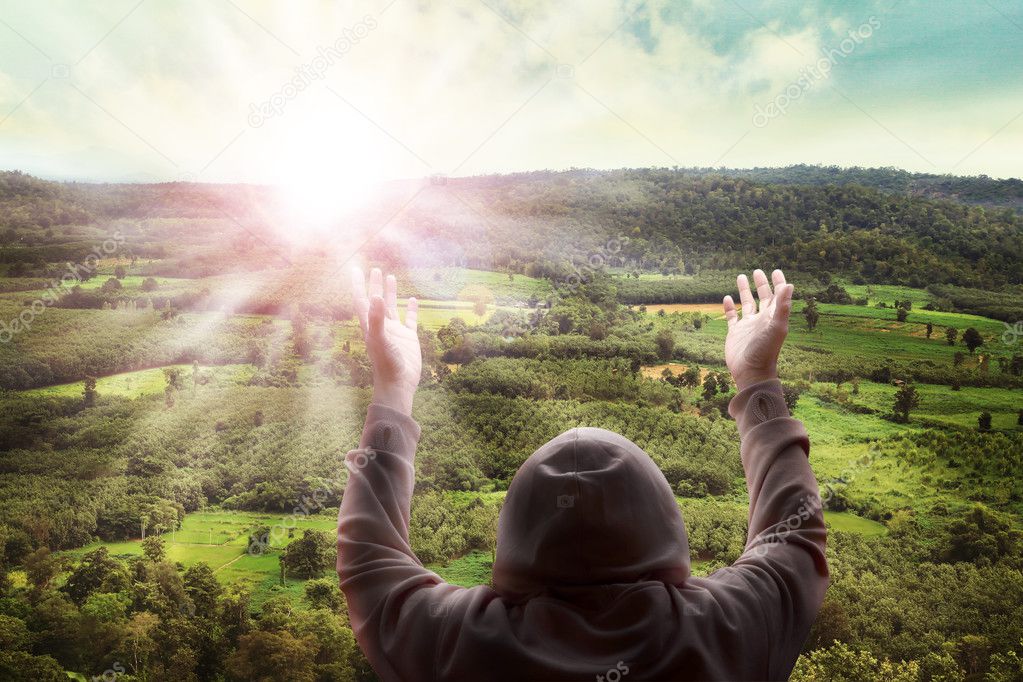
x: 376, y: 317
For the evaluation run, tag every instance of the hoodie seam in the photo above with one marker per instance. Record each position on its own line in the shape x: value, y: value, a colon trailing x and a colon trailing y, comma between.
x: 575, y: 480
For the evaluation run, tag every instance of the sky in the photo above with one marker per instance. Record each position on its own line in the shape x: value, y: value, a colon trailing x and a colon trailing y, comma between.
x: 330, y: 96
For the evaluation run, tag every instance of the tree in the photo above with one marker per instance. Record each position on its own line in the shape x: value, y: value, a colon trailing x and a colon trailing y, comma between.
x: 173, y: 377
x: 665, y: 344
x: 41, y: 567
x: 310, y: 556
x: 950, y: 335
x: 982, y: 535
x: 273, y: 656
x: 791, y: 394
x: 972, y: 339
x: 984, y: 421
x: 96, y: 570
x: 149, y: 284
x: 930, y: 329
x: 691, y: 377
x: 841, y: 663
x: 323, y: 593
x: 811, y: 314
x: 120, y: 272
x: 901, y: 314
x: 139, y: 641
x: 154, y: 549
x: 89, y: 391
x: 906, y: 400
x: 710, y: 386
x: 203, y: 588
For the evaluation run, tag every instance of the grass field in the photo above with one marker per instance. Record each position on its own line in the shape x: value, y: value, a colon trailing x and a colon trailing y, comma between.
x: 858, y: 332
x: 134, y: 283
x: 888, y: 293
x: 851, y: 523
x: 143, y: 381
x: 220, y: 539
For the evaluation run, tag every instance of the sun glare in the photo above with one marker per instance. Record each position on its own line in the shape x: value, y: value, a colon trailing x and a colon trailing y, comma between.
x: 323, y: 176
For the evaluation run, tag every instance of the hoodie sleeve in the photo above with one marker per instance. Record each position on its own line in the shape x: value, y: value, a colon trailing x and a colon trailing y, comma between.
x: 396, y: 606
x: 784, y: 562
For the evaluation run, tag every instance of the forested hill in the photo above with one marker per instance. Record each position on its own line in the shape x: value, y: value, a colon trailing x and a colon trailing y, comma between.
x: 720, y: 222
x: 973, y: 189
x: 535, y: 223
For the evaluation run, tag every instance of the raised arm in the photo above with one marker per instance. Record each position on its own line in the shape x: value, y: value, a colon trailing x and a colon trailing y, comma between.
x: 395, y: 604
x: 784, y: 558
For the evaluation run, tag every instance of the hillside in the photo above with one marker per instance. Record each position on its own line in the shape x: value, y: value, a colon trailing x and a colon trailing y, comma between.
x: 202, y: 381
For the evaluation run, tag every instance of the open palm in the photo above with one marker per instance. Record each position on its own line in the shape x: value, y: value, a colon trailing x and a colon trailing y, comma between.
x: 754, y: 341
x: 392, y: 346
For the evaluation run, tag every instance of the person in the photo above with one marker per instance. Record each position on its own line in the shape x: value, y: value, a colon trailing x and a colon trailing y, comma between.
x: 591, y: 576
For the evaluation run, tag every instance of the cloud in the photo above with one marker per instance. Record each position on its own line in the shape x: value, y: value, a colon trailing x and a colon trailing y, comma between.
x: 478, y: 86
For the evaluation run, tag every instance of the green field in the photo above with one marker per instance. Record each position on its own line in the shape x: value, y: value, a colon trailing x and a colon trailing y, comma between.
x: 143, y: 382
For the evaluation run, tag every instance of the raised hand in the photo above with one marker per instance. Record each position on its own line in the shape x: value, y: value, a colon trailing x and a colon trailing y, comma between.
x: 753, y: 342
x: 392, y: 346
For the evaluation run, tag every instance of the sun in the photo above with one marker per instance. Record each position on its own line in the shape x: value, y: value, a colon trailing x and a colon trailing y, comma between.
x: 323, y: 175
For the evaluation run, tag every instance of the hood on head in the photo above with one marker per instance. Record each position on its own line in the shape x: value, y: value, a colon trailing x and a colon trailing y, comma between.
x: 588, y: 508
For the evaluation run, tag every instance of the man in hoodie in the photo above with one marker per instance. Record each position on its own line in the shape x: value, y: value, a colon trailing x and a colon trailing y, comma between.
x: 591, y: 575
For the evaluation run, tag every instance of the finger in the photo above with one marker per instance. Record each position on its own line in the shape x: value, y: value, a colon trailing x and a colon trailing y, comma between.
x: 749, y: 306
x: 783, y: 304
x: 763, y: 288
x: 391, y: 296
x: 412, y: 313
x: 359, y: 298
x: 778, y: 277
x: 376, y: 283
x: 376, y: 317
x: 730, y: 313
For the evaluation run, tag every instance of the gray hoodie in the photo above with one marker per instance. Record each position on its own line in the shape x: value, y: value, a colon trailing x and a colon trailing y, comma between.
x: 591, y: 578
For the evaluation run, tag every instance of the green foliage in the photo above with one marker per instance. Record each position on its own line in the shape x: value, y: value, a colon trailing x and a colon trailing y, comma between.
x: 840, y: 663
x: 981, y: 537
x: 923, y: 517
x: 310, y: 556
x: 810, y: 314
x: 972, y: 339
x: 154, y: 548
x: 906, y: 400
